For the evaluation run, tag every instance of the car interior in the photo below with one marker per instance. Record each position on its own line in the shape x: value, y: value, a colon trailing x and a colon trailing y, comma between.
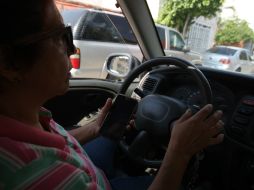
x: 174, y: 84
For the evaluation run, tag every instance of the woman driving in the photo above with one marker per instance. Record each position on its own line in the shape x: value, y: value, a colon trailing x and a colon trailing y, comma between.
x: 36, y: 152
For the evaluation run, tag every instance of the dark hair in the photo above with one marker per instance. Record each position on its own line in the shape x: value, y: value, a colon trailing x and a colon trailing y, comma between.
x: 20, y: 19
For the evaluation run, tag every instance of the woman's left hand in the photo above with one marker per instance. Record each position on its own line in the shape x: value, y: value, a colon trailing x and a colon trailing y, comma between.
x: 96, y: 125
x: 91, y: 130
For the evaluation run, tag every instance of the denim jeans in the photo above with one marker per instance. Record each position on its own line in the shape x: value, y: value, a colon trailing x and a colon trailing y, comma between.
x: 101, y: 151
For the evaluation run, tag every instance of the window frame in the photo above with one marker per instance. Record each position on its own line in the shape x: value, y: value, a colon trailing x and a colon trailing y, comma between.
x: 245, y: 54
x: 91, y: 16
x: 178, y: 35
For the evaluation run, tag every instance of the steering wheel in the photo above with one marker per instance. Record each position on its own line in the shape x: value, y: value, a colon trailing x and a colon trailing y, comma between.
x: 156, y: 113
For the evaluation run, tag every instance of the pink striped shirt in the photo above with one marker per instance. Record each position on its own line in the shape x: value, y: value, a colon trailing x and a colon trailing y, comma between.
x: 31, y: 158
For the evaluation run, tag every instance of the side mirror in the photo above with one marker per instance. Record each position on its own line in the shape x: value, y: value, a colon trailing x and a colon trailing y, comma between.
x: 118, y: 66
x: 186, y: 49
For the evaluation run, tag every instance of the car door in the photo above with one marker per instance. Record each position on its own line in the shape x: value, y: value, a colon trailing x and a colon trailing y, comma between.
x: 177, y: 45
x: 246, y: 65
x: 84, y: 98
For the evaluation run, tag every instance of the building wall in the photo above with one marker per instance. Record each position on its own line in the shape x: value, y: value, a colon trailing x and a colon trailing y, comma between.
x: 109, y: 5
x: 202, y: 34
x: 97, y: 4
x: 70, y: 5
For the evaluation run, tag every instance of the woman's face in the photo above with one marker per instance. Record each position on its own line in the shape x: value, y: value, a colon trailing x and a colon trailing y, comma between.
x: 49, y: 76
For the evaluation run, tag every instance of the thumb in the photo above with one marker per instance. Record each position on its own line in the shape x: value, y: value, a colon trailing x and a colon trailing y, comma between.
x: 105, y: 108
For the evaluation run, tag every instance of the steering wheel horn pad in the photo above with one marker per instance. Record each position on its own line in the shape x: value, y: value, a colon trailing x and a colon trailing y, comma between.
x: 155, y: 113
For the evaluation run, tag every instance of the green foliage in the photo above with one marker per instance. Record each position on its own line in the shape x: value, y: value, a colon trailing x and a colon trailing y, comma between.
x: 180, y: 13
x: 233, y: 31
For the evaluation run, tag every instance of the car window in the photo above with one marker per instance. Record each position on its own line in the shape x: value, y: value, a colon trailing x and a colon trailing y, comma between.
x: 99, y: 28
x: 123, y: 27
x: 222, y: 51
x: 161, y: 33
x: 243, y: 55
x: 175, y: 40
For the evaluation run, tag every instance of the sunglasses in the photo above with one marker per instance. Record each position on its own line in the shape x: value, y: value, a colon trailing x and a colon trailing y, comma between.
x: 64, y: 32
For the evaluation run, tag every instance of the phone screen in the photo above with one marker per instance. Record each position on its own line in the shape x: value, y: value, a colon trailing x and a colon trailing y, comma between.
x: 118, y: 117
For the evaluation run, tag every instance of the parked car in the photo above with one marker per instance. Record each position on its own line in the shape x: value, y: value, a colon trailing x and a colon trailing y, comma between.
x: 108, y: 32
x: 174, y: 45
x: 228, y: 58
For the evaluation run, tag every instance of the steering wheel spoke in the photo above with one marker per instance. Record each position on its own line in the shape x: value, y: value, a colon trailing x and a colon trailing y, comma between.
x: 139, y: 92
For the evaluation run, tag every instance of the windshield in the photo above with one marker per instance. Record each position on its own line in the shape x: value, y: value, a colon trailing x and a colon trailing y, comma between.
x: 187, y: 29
x: 214, y: 27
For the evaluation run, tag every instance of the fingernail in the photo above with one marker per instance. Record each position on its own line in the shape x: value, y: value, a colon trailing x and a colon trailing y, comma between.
x: 221, y: 136
x: 209, y: 107
x: 218, y: 113
x: 220, y: 126
x: 188, y: 110
x: 221, y: 123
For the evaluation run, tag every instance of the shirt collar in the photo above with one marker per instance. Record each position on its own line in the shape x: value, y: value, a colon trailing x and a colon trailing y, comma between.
x: 19, y: 131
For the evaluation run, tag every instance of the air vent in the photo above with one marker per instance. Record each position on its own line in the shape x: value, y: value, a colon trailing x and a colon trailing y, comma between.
x: 149, y: 84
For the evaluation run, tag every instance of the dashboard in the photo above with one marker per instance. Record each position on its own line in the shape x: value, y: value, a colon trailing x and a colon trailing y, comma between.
x: 230, y: 164
x: 181, y: 86
x: 190, y: 95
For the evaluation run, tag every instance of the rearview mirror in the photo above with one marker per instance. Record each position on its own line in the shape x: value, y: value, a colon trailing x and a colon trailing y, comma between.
x: 120, y: 65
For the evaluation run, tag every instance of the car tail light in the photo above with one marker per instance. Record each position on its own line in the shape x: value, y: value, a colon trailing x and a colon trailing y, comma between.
x: 75, y: 59
x: 225, y: 61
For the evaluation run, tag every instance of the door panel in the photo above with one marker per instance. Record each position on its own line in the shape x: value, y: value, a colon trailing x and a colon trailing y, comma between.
x: 84, y: 97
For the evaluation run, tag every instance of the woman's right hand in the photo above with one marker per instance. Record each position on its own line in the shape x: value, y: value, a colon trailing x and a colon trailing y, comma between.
x: 192, y: 133
x: 189, y: 135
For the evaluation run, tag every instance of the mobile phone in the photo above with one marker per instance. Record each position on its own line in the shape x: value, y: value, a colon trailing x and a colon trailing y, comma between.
x: 118, y: 117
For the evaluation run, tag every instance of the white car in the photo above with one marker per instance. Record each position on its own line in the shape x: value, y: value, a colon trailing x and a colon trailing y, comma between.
x: 228, y: 58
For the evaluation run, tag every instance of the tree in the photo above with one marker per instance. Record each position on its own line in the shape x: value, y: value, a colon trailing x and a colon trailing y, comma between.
x: 233, y: 31
x: 180, y: 13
